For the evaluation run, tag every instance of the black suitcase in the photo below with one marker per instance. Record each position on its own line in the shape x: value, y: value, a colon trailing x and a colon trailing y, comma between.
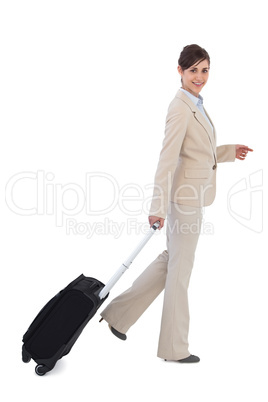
x: 58, y: 325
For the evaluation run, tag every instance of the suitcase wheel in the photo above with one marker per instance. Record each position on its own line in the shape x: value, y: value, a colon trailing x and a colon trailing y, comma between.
x: 41, y: 369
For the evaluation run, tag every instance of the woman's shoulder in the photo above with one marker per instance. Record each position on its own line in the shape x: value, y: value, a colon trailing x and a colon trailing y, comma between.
x: 179, y: 104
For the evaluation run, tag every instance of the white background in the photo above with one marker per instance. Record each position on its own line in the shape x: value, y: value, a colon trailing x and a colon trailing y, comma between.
x: 85, y: 87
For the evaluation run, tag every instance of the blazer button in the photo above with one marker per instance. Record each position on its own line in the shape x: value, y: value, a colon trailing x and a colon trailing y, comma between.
x: 214, y: 167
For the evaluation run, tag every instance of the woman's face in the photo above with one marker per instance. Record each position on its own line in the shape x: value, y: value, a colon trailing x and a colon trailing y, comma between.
x: 195, y: 77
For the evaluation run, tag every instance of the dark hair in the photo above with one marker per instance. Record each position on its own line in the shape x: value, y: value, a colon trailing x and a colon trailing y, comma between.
x: 191, y: 54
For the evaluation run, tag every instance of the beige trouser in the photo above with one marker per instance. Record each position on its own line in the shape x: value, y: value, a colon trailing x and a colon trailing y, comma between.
x: 171, y: 271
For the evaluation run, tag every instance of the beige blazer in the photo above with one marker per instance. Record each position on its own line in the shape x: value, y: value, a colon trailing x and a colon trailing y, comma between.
x: 186, y: 171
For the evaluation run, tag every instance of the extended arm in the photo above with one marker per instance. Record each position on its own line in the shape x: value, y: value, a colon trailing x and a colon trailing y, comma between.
x: 228, y: 153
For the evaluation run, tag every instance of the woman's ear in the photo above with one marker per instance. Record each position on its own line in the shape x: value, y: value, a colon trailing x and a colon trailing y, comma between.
x: 180, y: 71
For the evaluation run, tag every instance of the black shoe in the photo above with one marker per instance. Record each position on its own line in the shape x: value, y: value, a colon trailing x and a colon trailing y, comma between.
x: 190, y: 359
x: 119, y: 335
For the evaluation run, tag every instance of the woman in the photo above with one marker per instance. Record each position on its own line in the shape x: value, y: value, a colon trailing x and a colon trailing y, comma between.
x: 185, y: 182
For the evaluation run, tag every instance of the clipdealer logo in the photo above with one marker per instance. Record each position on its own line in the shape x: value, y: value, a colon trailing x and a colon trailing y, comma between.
x: 38, y: 193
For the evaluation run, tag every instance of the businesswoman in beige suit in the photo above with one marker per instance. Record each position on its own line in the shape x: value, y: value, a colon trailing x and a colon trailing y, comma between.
x: 185, y: 182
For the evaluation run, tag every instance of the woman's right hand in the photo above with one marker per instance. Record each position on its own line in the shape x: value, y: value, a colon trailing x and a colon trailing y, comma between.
x: 153, y: 219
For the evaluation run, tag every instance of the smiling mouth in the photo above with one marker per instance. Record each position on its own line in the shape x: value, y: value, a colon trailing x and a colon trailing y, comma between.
x: 198, y: 84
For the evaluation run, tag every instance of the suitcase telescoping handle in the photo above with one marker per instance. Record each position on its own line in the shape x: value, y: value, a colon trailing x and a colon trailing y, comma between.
x: 127, y: 262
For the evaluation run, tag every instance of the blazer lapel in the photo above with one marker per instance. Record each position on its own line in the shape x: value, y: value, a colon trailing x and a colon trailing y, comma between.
x: 203, y: 121
x: 200, y: 117
x: 214, y: 130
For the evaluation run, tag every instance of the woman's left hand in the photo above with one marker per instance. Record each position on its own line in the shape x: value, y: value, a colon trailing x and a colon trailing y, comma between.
x: 242, y: 151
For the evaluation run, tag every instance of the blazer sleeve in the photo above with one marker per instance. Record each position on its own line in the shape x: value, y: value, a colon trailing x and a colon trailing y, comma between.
x: 226, y: 153
x: 175, y: 130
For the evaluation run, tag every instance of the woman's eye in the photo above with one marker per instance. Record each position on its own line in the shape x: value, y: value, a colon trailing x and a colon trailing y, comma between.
x: 203, y: 71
